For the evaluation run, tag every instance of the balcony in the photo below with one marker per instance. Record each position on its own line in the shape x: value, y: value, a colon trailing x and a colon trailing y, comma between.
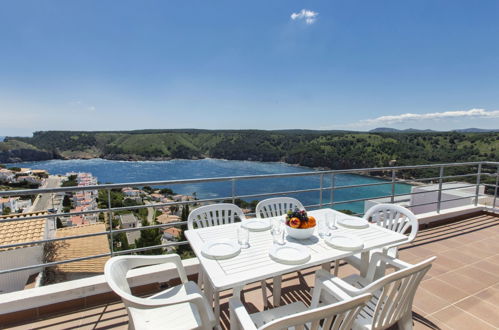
x: 461, y: 291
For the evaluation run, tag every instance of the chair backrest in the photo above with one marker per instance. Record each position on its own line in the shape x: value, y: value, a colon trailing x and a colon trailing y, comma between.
x: 274, y: 207
x: 393, y: 294
x: 116, y: 269
x: 394, y: 217
x: 115, y: 273
x: 214, y: 215
x: 338, y: 316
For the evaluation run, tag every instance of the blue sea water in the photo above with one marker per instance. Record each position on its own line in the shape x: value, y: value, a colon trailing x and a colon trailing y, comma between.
x: 110, y: 171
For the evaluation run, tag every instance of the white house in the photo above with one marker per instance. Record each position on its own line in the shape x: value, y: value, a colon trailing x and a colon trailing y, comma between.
x: 29, y: 178
x: 6, y: 175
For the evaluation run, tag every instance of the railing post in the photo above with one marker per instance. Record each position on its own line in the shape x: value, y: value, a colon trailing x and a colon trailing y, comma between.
x: 333, y: 183
x: 233, y: 190
x: 320, y: 191
x: 477, y: 190
x: 440, y: 181
x: 495, y: 188
x: 393, y: 187
x: 110, y: 220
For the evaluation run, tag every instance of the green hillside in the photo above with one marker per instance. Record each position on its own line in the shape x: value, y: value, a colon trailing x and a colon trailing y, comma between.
x: 331, y: 149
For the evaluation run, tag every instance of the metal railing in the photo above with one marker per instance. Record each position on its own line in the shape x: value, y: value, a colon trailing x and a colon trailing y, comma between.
x: 483, y: 169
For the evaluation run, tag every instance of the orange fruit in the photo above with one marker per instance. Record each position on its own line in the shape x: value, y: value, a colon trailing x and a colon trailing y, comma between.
x: 294, y: 222
x: 311, y: 222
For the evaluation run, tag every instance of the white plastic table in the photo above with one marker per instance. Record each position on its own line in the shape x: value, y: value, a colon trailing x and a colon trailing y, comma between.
x: 254, y: 263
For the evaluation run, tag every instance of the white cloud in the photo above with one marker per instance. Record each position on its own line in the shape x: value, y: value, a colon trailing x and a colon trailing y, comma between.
x: 410, y: 117
x: 307, y: 15
x: 79, y: 106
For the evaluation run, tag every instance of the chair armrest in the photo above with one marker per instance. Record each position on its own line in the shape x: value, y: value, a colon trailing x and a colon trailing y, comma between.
x: 175, y: 259
x: 142, y: 261
x: 238, y: 311
x: 395, y: 245
x: 373, y: 272
x: 190, y: 298
x: 205, y: 313
x: 397, y: 263
x: 336, y: 286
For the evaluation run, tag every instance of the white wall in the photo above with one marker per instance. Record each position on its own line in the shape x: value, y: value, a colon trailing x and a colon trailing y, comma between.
x: 423, y: 196
x: 21, y: 257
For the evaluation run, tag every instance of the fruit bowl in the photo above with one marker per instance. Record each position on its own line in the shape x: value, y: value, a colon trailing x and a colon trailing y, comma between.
x: 300, y: 233
x: 299, y: 225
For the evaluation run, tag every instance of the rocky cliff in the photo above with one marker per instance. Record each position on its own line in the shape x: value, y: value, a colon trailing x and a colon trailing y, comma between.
x: 25, y: 155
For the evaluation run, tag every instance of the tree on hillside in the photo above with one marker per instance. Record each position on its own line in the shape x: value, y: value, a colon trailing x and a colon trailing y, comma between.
x: 185, y: 250
x: 166, y: 191
x: 71, y: 181
x: 6, y: 210
x: 117, y: 198
x: 149, y: 237
x: 66, y: 201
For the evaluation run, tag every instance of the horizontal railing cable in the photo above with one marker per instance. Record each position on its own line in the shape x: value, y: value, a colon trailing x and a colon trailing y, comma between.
x: 232, y: 180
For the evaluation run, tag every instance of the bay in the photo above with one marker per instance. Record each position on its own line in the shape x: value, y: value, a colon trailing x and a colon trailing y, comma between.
x: 111, y: 171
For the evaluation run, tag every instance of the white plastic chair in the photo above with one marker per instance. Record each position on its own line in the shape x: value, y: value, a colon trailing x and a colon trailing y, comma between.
x: 275, y: 207
x: 179, y: 307
x: 392, y: 217
x: 393, y: 294
x: 214, y: 215
x: 338, y: 316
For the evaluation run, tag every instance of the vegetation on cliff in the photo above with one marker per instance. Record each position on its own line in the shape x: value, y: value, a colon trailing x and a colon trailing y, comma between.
x: 330, y: 149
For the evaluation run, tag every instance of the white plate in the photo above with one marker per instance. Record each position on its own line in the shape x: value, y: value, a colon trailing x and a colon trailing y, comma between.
x: 289, y: 253
x: 345, y: 242
x: 355, y: 223
x: 256, y: 224
x: 221, y: 249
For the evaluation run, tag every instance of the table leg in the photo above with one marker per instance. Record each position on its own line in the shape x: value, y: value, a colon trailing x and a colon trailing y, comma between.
x: 213, y: 297
x: 336, y: 267
x: 216, y: 309
x: 236, y: 292
x: 276, y: 290
x: 208, y: 291
x: 364, y: 263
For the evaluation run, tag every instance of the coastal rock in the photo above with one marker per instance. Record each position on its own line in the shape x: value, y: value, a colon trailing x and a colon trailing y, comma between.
x: 26, y: 155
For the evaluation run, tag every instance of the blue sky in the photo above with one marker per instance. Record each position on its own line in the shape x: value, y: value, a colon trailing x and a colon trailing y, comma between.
x: 119, y: 65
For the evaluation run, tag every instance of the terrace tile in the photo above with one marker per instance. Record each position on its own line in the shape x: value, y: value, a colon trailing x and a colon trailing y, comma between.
x: 455, y: 318
x: 491, y: 295
x: 480, y: 309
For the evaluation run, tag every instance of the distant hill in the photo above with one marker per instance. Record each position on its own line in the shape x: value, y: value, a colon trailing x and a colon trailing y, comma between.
x: 475, y: 130
x: 328, y: 149
x: 2, y: 138
x: 414, y: 130
x: 394, y: 130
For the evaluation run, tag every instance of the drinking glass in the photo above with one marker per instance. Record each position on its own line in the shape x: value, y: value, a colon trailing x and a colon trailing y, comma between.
x: 243, y: 237
x: 323, y: 228
x: 276, y: 223
x: 331, y: 221
x: 278, y: 233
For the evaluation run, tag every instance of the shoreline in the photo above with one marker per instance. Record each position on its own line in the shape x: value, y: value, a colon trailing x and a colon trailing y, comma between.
x: 310, y: 169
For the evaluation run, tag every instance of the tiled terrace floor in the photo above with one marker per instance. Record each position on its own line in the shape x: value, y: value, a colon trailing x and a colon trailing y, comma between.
x: 461, y: 291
